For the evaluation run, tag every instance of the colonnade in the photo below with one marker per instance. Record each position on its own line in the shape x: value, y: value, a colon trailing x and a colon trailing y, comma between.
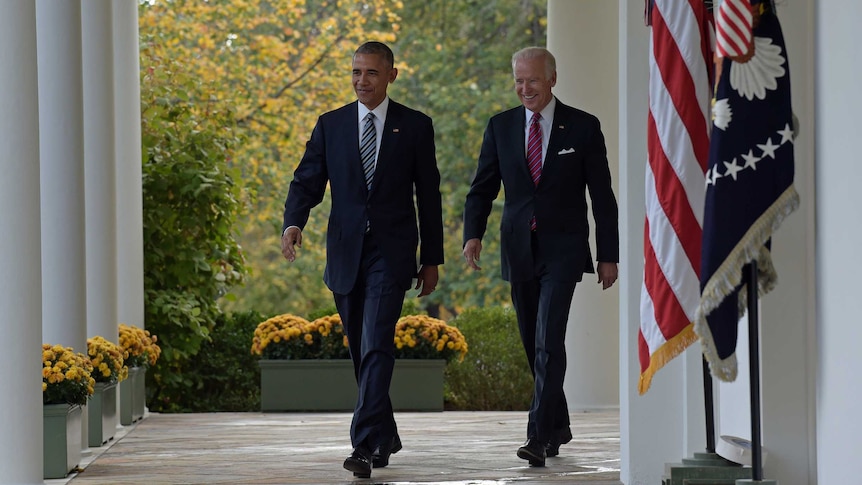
x: 70, y: 159
x: 70, y: 196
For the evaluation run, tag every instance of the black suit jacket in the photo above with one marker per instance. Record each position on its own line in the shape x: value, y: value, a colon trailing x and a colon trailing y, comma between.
x: 406, y: 163
x: 576, y: 161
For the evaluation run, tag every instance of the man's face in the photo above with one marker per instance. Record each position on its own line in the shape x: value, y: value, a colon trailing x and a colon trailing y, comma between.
x: 371, y: 76
x: 532, y: 83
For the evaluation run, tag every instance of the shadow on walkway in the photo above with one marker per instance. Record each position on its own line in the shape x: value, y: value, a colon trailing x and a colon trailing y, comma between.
x: 454, y: 448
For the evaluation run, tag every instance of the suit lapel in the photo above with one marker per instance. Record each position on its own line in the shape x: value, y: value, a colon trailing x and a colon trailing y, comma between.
x: 351, y: 139
x: 560, y: 130
x: 391, y: 131
x: 517, y: 142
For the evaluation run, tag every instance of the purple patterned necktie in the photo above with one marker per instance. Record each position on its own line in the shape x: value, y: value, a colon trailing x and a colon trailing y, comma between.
x: 534, y: 155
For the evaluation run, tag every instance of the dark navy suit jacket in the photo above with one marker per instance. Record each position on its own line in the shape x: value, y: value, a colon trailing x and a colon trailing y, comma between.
x: 406, y: 166
x: 576, y: 161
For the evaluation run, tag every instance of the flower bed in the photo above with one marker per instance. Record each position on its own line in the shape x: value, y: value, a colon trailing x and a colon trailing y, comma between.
x: 141, y: 351
x: 107, y: 359
x: 67, y: 384
x: 305, y: 365
x: 289, y: 337
x: 66, y: 376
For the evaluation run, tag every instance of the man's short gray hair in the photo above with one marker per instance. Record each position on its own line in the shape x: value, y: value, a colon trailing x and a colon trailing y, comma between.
x: 529, y: 53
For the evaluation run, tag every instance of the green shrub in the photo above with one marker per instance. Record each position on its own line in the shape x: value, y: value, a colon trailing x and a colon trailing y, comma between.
x: 224, y: 375
x: 321, y: 312
x: 191, y: 203
x: 494, y: 375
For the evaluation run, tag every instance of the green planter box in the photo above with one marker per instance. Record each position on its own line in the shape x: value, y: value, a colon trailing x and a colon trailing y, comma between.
x: 102, y: 414
x: 61, y: 434
x: 329, y: 385
x: 133, y: 396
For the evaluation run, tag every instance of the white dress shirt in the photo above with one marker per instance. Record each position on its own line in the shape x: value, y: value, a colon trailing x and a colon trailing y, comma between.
x: 379, y: 121
x: 546, y: 124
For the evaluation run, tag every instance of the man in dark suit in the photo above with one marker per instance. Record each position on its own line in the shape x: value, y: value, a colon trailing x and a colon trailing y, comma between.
x: 374, y: 154
x: 546, y: 155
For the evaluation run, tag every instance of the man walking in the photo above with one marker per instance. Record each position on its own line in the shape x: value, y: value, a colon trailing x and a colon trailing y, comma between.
x: 546, y: 155
x: 374, y: 154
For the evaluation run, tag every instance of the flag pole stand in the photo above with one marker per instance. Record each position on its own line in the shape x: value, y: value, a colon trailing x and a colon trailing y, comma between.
x: 707, y: 466
x: 754, y: 384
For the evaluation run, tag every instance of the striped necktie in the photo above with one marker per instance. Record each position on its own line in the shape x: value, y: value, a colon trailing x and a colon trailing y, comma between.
x: 534, y: 154
x: 367, y: 148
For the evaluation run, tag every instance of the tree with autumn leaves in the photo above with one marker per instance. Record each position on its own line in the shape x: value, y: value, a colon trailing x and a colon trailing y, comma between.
x: 258, y: 73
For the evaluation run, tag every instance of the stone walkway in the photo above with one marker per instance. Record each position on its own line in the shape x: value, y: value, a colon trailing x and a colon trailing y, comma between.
x: 452, y: 448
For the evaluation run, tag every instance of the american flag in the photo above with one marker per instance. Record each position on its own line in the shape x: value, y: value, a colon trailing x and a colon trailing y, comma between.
x: 733, y: 28
x: 749, y: 187
x: 678, y: 146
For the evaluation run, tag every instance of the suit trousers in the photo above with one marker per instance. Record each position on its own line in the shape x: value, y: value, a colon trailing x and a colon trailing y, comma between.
x: 542, y: 307
x: 369, y: 314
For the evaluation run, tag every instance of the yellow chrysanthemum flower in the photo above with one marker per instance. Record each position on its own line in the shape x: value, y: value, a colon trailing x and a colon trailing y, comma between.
x: 65, y: 376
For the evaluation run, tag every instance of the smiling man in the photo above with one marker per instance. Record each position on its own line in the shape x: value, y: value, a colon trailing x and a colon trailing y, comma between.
x: 374, y: 154
x: 546, y: 155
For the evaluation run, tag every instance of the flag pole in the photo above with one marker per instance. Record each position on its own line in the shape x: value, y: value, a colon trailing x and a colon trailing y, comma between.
x: 709, y: 407
x: 708, y: 401
x: 754, y: 373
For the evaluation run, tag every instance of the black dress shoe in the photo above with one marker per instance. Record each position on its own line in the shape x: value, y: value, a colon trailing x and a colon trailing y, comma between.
x: 533, y: 451
x: 563, y: 436
x: 359, y: 462
x: 380, y: 457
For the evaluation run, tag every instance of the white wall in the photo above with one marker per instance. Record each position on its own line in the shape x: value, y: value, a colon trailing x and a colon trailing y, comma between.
x: 787, y: 323
x: 787, y: 313
x: 839, y: 237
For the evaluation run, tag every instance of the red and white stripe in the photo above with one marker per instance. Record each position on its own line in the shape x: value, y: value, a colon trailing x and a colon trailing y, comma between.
x: 733, y: 28
x: 678, y: 147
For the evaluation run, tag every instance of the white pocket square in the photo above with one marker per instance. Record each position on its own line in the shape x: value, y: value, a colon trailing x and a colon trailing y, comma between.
x: 566, y: 151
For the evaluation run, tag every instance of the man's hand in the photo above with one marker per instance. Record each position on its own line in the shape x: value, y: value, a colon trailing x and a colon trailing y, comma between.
x: 427, y: 280
x: 471, y: 253
x: 607, y: 274
x: 291, y: 237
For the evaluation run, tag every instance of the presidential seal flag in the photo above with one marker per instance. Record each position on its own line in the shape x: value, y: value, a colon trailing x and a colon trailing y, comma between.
x: 749, y: 182
x: 677, y: 148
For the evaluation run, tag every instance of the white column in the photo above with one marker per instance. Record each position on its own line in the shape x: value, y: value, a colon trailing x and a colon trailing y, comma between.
x: 61, y: 146
x: 20, y: 288
x: 100, y: 169
x: 61, y: 116
x: 839, y: 236
x: 666, y: 424
x: 127, y: 108
x: 587, y: 79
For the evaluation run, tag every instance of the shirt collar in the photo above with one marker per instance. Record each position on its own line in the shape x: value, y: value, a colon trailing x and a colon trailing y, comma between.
x: 379, y: 111
x: 547, y: 113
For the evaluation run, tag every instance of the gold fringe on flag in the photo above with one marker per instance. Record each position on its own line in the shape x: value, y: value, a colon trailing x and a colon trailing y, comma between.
x: 728, y: 277
x: 670, y: 349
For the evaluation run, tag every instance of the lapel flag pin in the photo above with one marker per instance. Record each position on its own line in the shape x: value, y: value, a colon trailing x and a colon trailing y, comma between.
x: 395, y: 130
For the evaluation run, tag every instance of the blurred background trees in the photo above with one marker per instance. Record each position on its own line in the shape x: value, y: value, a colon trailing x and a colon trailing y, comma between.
x: 230, y: 91
x: 277, y: 65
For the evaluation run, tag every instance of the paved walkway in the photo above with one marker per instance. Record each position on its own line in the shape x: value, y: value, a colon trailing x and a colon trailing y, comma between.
x: 451, y: 448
